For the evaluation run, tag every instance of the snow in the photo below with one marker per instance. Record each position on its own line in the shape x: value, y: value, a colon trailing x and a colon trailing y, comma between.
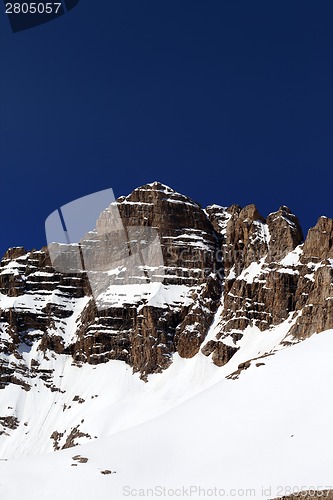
x: 293, y: 258
x: 165, y: 188
x: 269, y: 428
x: 289, y: 265
x: 223, y: 220
x: 255, y: 342
x: 126, y: 202
x: 262, y: 233
x: 287, y: 270
x: 232, y: 274
x: 214, y: 206
x: 154, y: 294
x: 191, y: 240
x: 251, y: 272
x: 265, y: 426
x: 171, y: 194
x: 171, y: 294
x: 124, y: 400
x: 182, y: 202
x: 6, y: 302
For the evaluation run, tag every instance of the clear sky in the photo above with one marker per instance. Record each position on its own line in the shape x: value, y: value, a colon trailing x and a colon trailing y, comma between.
x: 228, y: 101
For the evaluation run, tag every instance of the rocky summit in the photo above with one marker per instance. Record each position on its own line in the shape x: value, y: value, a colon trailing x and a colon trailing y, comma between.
x: 226, y: 271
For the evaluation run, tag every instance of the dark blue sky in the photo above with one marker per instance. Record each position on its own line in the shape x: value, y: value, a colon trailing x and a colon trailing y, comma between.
x: 228, y: 101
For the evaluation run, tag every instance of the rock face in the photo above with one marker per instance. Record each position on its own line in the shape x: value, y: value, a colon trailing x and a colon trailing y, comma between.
x: 224, y: 270
x: 307, y: 495
x: 260, y: 269
x: 259, y: 286
x: 145, y: 332
x: 227, y: 274
x: 39, y: 302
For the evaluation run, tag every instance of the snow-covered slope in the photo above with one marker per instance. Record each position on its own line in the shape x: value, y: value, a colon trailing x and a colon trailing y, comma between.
x: 96, y: 401
x: 256, y: 436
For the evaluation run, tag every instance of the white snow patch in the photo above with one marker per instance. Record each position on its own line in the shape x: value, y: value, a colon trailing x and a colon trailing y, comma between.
x: 293, y: 258
x: 251, y: 272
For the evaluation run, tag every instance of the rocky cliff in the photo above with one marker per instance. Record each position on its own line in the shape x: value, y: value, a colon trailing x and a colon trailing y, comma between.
x: 225, y: 271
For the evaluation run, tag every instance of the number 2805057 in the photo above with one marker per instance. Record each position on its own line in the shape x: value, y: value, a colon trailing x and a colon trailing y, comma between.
x: 33, y: 8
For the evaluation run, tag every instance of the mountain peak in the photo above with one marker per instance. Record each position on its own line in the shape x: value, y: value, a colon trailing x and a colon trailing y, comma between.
x: 157, y: 186
x: 156, y: 192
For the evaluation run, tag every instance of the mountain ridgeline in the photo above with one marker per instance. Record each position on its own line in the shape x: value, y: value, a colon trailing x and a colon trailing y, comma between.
x: 227, y: 276
x: 231, y: 261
